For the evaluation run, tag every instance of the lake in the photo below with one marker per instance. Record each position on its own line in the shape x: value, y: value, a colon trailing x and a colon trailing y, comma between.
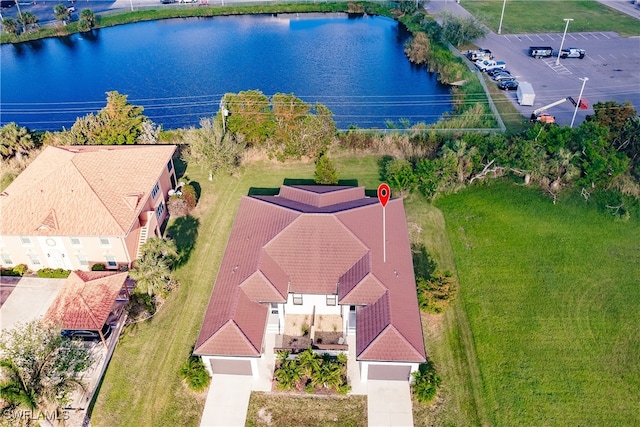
x: 178, y: 70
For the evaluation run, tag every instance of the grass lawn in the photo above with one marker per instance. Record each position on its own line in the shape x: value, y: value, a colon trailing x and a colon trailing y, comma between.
x: 279, y: 409
x: 552, y: 297
x: 545, y: 16
x: 142, y: 386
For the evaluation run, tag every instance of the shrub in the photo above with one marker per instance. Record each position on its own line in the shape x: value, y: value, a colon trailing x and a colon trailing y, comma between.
x: 425, y: 383
x: 98, y: 267
x: 326, y: 173
x: 54, y: 273
x: 17, y: 270
x: 189, y: 194
x: 177, y: 206
x: 435, y: 293
x: 195, y: 374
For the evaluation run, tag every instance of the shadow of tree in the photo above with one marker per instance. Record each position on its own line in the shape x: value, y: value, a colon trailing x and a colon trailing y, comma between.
x: 423, y: 265
x: 184, y: 232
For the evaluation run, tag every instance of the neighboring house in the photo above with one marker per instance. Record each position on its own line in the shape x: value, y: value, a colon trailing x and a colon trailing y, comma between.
x: 308, y: 265
x: 77, y: 206
x: 89, y: 300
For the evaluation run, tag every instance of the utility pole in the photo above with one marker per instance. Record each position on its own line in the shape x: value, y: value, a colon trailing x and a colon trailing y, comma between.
x: 567, y: 20
x: 504, y: 3
x: 584, y: 81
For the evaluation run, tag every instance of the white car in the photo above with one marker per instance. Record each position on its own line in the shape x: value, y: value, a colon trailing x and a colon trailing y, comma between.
x: 489, y: 64
x: 572, y: 52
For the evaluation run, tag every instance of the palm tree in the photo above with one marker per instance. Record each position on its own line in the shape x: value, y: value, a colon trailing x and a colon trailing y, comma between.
x: 87, y: 20
x: 13, y: 389
x: 15, y: 140
x: 27, y: 19
x: 152, y: 271
x: 10, y: 25
x: 61, y: 12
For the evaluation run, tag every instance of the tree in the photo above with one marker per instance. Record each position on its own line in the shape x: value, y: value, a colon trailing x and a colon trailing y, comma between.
x: 87, y: 20
x: 15, y: 140
x: 461, y: 30
x: 117, y: 123
x: 61, y: 13
x: 425, y: 383
x: 326, y: 172
x: 40, y: 367
x: 152, y: 271
x: 400, y: 175
x: 250, y: 115
x: 10, y: 26
x: 463, y: 156
x: 298, y: 131
x: 27, y: 19
x: 418, y: 49
x: 612, y: 115
x: 212, y: 148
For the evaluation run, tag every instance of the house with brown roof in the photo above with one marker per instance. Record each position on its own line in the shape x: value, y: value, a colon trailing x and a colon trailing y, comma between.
x: 76, y: 206
x: 310, y: 266
x: 87, y: 300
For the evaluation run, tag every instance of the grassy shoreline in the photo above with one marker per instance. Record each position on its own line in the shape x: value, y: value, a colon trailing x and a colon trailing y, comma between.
x: 111, y: 19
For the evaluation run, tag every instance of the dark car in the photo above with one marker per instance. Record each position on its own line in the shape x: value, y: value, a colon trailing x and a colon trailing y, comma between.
x: 501, y: 77
x: 87, y: 335
x: 493, y: 71
x: 7, y: 3
x: 508, y: 85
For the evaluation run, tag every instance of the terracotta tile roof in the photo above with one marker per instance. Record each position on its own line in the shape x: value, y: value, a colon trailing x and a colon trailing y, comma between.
x: 54, y: 195
x: 315, y: 268
x: 85, y: 300
x: 312, y: 246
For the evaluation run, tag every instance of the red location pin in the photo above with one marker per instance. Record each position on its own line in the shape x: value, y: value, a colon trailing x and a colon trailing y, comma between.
x: 383, y: 194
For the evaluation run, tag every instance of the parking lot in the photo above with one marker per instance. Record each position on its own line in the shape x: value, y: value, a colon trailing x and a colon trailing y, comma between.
x: 612, y: 65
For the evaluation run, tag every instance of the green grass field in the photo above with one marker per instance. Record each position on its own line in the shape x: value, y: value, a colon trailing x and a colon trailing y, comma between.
x: 553, y: 300
x: 545, y: 16
x: 142, y: 386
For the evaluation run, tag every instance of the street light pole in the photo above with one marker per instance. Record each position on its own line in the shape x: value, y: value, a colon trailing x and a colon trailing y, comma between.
x: 504, y: 3
x: 567, y: 20
x: 584, y: 81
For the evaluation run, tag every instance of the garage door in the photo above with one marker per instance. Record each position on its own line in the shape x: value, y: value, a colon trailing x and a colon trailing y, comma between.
x: 231, y: 367
x: 389, y: 372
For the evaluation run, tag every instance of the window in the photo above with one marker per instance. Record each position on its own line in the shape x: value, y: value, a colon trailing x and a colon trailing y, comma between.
x: 82, y: 259
x: 332, y: 299
x: 104, y: 242
x: 159, y: 210
x: 6, y: 259
x: 170, y: 165
x: 274, y: 308
x: 111, y: 261
x: 155, y: 191
x: 75, y: 241
x: 297, y: 299
x: 26, y: 241
x: 35, y: 260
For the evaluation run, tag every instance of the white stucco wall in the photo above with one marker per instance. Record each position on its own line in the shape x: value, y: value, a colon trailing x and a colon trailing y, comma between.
x: 308, y: 302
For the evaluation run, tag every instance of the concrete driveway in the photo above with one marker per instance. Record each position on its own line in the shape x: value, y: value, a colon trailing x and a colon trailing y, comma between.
x: 227, y: 401
x: 29, y: 300
x: 389, y: 403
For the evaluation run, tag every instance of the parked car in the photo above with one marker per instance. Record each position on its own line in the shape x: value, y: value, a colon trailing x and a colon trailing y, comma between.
x: 572, y: 52
x: 488, y: 64
x: 87, y: 335
x: 540, y: 51
x: 493, y: 71
x: 480, y: 54
x: 508, y: 85
x: 6, y: 3
x: 503, y: 77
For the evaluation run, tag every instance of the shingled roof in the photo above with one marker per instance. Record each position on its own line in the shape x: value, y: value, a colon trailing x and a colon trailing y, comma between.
x: 85, y: 300
x: 53, y: 195
x: 316, y: 240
